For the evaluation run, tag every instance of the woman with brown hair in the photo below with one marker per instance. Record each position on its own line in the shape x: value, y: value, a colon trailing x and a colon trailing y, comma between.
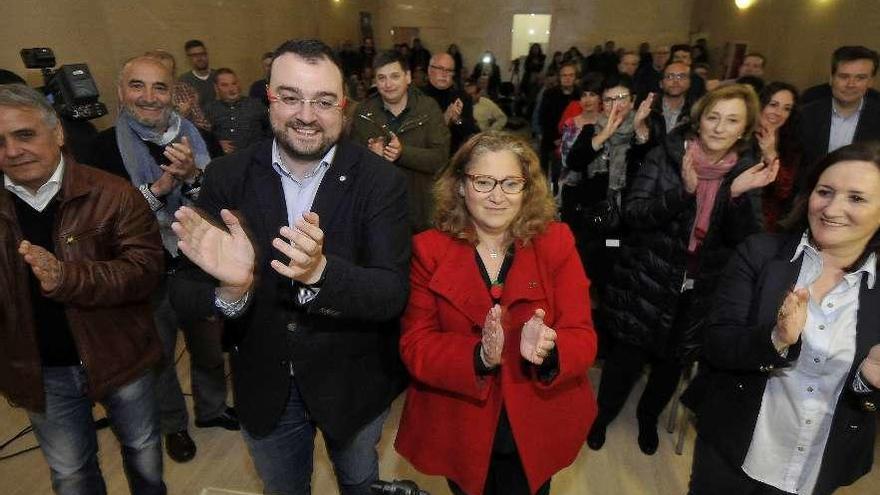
x: 497, y: 332
x: 793, y: 344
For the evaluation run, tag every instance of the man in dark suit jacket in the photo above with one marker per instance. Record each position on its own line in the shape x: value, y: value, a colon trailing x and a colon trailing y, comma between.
x: 847, y: 116
x: 312, y: 291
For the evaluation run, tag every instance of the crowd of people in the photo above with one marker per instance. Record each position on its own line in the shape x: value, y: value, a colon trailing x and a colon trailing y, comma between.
x: 364, y: 222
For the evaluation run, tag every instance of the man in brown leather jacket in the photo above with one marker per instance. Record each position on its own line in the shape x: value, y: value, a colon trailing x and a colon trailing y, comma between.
x: 406, y: 128
x: 80, y: 254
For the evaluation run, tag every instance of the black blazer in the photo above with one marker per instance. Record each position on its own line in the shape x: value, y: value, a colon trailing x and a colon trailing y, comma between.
x: 343, y: 344
x: 815, y: 127
x: 741, y: 356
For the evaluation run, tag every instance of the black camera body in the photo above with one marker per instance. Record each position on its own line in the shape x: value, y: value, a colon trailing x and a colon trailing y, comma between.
x: 71, y: 88
x: 396, y: 487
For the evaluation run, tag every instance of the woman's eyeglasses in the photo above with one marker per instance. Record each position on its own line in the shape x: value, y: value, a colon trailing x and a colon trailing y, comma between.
x: 487, y: 183
x: 612, y: 99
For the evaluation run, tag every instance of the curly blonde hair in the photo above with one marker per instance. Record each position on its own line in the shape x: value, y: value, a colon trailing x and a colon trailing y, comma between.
x: 450, y: 213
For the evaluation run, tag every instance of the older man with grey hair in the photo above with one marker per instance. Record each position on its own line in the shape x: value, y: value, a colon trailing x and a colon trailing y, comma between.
x: 80, y: 255
x: 163, y: 155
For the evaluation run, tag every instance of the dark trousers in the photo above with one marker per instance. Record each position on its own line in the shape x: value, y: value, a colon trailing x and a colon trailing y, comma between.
x: 621, y: 370
x: 711, y: 474
x: 506, y: 477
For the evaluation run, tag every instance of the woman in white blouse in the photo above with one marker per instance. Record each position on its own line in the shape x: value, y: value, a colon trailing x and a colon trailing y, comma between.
x: 793, y: 344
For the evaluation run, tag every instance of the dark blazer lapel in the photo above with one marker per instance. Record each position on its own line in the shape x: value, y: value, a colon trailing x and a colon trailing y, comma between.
x: 335, y: 183
x: 868, y: 320
x: 869, y: 121
x: 780, y: 276
x: 268, y: 191
x: 457, y: 279
x: 824, y: 127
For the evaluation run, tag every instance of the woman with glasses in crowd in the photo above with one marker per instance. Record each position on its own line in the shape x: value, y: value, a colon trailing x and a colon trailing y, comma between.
x: 692, y: 201
x: 597, y: 169
x: 793, y: 344
x: 777, y: 137
x: 497, y: 332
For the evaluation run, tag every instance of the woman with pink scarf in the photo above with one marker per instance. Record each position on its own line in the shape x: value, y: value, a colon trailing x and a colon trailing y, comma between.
x: 694, y: 198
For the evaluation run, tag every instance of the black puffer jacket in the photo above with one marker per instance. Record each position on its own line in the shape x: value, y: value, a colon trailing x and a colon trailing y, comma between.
x: 643, y: 294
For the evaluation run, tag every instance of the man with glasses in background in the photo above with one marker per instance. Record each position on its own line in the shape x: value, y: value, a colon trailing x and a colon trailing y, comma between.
x: 202, y: 77
x: 673, y: 108
x: 311, y: 272
x: 458, y: 111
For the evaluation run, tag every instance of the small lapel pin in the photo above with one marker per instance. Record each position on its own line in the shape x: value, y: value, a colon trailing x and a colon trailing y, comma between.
x: 342, y: 178
x: 533, y: 285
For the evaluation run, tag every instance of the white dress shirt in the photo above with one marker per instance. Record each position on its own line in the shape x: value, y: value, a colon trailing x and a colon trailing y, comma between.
x: 44, y: 194
x: 798, y: 403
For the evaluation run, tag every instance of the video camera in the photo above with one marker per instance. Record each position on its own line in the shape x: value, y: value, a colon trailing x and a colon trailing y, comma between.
x: 396, y: 487
x: 70, y: 88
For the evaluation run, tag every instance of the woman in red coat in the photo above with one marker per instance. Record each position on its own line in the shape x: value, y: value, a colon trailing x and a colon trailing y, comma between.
x: 497, y: 335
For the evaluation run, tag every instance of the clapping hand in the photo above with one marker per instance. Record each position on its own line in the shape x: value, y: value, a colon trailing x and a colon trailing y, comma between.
x: 644, y: 110
x: 871, y: 366
x: 182, y: 164
x: 757, y: 176
x: 792, y: 317
x: 615, y: 118
x: 689, y: 172
x: 226, y: 255
x: 492, y: 339
x: 452, y: 115
x: 304, y: 245
x: 537, y: 339
x: 44, y: 264
x: 392, y: 150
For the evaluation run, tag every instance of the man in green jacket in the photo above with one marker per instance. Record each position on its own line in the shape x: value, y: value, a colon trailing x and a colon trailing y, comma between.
x: 405, y: 127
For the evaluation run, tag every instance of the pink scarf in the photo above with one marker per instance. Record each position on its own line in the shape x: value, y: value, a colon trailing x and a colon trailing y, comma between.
x: 709, y: 175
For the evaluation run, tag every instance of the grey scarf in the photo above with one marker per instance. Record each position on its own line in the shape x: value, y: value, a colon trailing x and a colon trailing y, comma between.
x: 612, y: 159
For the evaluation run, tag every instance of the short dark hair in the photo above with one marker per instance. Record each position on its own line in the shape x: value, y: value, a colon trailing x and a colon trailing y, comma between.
x: 592, y: 82
x: 390, y: 57
x: 311, y: 50
x: 757, y: 55
x: 681, y: 47
x: 189, y: 45
x: 224, y: 70
x: 852, y: 53
x: 267, y: 55
x: 615, y: 80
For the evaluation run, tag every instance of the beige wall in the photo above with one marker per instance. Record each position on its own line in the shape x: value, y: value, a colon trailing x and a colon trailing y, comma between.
x: 103, y: 33
x: 477, y: 26
x: 798, y: 36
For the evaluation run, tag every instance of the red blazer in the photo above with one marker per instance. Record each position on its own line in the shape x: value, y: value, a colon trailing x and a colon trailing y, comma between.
x: 451, y: 414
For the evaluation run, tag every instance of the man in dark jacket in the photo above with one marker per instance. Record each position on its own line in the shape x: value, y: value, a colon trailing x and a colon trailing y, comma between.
x: 80, y: 254
x: 458, y: 111
x: 406, y: 128
x: 846, y: 115
x: 553, y: 104
x: 313, y: 290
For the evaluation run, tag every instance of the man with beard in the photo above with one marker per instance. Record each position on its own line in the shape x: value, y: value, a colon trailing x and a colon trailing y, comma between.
x: 674, y: 105
x: 302, y: 243
x: 202, y: 77
x: 458, y: 111
x: 163, y: 155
